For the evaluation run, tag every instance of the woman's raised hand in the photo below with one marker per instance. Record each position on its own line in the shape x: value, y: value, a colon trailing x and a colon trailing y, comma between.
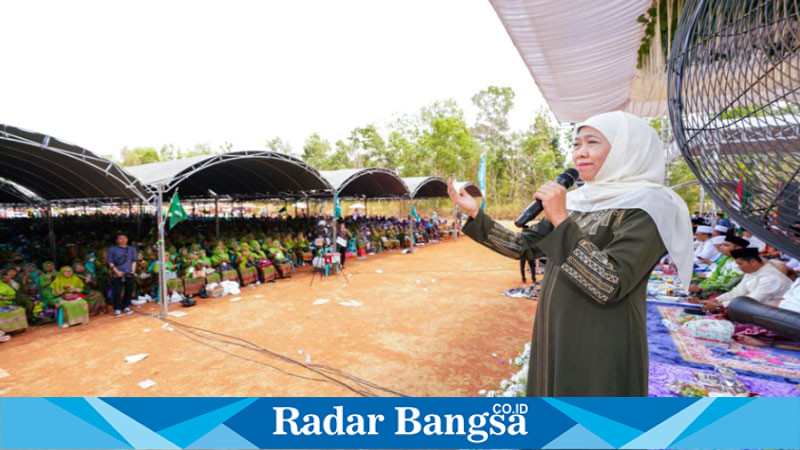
x: 462, y: 199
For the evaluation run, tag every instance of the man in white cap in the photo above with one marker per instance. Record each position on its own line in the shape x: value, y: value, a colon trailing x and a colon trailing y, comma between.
x: 754, y: 241
x: 705, y: 252
x: 719, y: 230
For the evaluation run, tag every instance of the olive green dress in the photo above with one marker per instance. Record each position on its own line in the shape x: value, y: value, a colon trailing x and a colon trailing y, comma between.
x: 590, y: 331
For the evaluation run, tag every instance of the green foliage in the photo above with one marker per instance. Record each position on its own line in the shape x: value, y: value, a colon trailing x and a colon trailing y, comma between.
x: 139, y: 155
x: 278, y: 145
x: 145, y: 155
x: 315, y: 151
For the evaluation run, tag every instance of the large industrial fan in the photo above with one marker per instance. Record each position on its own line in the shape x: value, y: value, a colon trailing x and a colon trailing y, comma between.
x: 734, y: 104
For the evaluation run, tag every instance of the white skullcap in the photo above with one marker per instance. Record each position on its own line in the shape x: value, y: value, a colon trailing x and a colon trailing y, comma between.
x: 704, y: 229
x: 721, y: 228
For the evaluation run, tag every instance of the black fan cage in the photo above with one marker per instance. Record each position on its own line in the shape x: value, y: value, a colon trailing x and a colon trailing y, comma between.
x: 733, y: 83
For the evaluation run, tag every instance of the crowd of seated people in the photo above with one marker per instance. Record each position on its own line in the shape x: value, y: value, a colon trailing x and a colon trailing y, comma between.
x: 731, y: 263
x: 248, y: 250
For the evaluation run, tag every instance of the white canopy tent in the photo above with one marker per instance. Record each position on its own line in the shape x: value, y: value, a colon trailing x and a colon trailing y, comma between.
x: 582, y: 55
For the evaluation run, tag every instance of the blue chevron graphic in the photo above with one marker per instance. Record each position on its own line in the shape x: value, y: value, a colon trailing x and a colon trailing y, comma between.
x: 189, y: 431
x: 578, y: 437
x: 37, y: 423
x: 222, y: 437
x: 79, y: 407
x: 717, y: 410
x: 664, y: 433
x: 744, y: 427
x: 137, y: 434
x: 613, y: 432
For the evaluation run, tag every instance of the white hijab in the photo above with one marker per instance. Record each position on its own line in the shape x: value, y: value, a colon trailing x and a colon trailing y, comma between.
x: 632, y: 177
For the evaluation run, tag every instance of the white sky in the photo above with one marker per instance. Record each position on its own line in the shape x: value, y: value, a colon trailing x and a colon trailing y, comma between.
x: 104, y: 74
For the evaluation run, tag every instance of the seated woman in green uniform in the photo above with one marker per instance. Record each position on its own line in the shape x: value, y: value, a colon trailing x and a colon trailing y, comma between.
x: 68, y: 293
x: 602, y: 240
x: 95, y: 300
x: 46, y: 277
x: 16, y: 295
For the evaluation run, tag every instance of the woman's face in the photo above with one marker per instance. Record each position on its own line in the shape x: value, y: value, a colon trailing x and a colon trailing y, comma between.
x: 589, y: 151
x: 67, y: 273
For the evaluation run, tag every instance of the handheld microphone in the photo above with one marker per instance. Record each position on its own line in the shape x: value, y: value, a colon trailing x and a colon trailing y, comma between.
x: 566, y: 178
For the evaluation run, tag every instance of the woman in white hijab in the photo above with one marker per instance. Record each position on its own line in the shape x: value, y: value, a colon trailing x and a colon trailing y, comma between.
x: 602, y: 241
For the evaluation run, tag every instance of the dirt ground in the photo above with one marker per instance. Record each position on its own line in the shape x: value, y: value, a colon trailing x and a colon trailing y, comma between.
x: 429, y: 326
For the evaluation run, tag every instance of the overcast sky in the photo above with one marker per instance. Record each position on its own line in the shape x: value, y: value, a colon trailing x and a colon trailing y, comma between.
x: 105, y: 75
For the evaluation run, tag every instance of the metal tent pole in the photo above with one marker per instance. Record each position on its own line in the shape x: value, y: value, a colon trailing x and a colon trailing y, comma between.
x: 216, y: 215
x: 162, y: 272
x: 411, y: 224
x: 51, y: 234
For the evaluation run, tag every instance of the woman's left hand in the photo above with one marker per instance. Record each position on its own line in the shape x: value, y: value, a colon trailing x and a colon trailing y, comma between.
x: 554, y: 200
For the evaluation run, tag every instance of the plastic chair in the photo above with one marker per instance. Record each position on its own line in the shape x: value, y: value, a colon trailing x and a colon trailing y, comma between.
x: 351, y: 246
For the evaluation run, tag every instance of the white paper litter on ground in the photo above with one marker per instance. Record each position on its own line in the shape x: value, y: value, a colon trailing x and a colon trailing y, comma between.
x: 136, y: 358
x: 482, y: 392
x: 433, y: 280
x: 419, y: 281
x: 4, y: 390
x: 355, y: 303
x: 236, y: 299
x: 164, y: 325
x: 320, y: 301
x: 378, y: 271
x: 177, y: 313
x: 308, y: 358
x: 4, y: 373
x: 146, y: 330
x: 258, y: 296
x: 148, y: 383
x: 494, y: 355
x: 424, y: 289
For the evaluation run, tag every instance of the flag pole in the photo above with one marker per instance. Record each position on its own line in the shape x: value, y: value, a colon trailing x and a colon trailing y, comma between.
x: 162, y: 271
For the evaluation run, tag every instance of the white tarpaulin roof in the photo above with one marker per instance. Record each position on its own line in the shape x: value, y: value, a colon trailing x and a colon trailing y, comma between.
x: 582, y: 54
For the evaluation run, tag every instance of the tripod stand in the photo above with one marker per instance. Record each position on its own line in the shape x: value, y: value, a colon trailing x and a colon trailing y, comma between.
x: 333, y: 264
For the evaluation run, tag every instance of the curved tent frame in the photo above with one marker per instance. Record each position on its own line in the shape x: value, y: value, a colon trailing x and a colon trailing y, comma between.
x: 426, y: 187
x: 56, y: 170
x: 243, y: 174
x: 472, y: 188
x: 13, y: 194
x: 374, y: 182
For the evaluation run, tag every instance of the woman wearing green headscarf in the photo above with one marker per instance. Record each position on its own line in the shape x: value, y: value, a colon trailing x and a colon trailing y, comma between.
x: 68, y: 289
x: 97, y: 304
x: 220, y: 257
x: 7, y: 292
x: 279, y: 260
x: 46, y: 277
x: 12, y: 315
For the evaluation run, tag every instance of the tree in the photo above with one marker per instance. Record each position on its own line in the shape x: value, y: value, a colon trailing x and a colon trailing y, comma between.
x: 342, y: 157
x: 198, y: 150
x: 371, y: 149
x: 535, y: 157
x: 316, y: 151
x: 446, y: 145
x: 168, y: 152
x: 491, y: 130
x: 226, y: 147
x: 278, y: 145
x: 139, y: 155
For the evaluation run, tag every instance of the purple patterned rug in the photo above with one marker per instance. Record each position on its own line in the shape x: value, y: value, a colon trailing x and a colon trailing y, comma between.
x: 661, y: 374
x: 666, y: 364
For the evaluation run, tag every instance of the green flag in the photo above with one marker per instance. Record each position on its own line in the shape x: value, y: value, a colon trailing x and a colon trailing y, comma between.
x: 414, y: 212
x: 337, y: 208
x: 176, y: 213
